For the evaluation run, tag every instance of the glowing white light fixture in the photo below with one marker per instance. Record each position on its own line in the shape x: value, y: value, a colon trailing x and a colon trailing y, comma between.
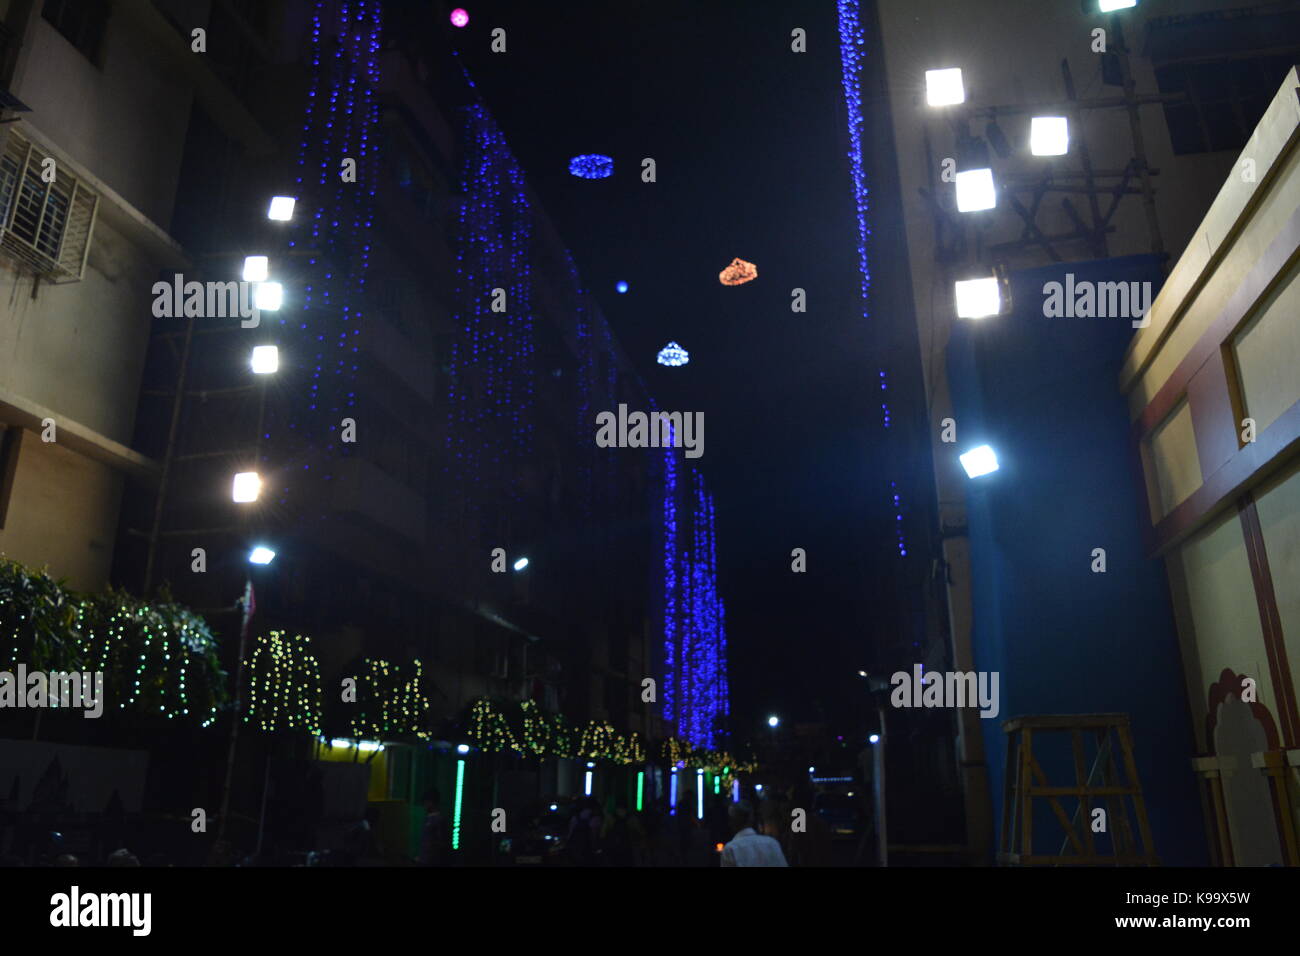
x: 247, y: 486
x: 944, y: 87
x: 1107, y: 6
x: 975, y: 190
x: 256, y: 268
x: 265, y: 360
x: 268, y: 296
x: 1049, y: 135
x: 979, y: 461
x: 281, y: 208
x: 978, y: 298
x: 261, y: 555
x: 521, y: 564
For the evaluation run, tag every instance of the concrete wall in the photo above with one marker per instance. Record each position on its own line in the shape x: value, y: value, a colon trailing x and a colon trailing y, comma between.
x: 78, y: 348
x: 124, y: 117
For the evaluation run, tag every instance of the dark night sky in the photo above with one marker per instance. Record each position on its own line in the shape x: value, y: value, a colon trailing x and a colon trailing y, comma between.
x: 750, y: 143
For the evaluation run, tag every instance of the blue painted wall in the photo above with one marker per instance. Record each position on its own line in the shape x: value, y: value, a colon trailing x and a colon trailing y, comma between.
x: 1044, y: 393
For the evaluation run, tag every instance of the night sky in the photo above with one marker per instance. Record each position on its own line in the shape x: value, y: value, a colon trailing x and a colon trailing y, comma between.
x: 750, y: 142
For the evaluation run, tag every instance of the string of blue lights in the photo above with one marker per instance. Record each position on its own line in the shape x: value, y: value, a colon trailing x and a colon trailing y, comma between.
x: 852, y: 53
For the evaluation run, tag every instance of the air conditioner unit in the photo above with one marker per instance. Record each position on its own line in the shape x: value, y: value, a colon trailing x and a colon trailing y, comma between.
x: 44, y: 226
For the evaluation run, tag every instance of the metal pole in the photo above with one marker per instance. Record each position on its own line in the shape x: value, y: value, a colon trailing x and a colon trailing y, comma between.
x: 168, y: 455
x: 234, y: 721
x: 882, y: 840
x: 1139, y: 142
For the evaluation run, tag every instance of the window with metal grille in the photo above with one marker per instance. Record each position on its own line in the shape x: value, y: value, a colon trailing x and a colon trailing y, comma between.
x: 44, y: 225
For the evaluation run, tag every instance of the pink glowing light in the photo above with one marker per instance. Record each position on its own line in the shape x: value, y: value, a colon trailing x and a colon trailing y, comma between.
x: 459, y: 17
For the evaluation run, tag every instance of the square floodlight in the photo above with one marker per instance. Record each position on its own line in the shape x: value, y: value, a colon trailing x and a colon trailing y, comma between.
x: 247, y: 486
x: 256, y: 268
x: 944, y: 87
x: 978, y: 298
x: 1107, y: 6
x: 1049, y: 135
x: 281, y: 208
x: 261, y: 555
x: 975, y: 190
x: 979, y: 461
x: 268, y: 296
x: 266, y: 359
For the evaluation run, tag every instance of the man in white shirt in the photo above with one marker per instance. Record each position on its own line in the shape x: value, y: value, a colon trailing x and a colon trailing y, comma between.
x: 748, y: 848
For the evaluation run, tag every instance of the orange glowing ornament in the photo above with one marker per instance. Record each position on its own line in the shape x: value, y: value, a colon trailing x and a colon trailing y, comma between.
x: 738, y: 273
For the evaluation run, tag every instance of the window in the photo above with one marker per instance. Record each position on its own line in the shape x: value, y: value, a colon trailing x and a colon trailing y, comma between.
x: 46, y: 226
x: 80, y: 22
x: 1225, y: 100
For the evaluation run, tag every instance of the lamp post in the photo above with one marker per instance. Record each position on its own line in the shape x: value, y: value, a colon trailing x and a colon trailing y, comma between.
x: 261, y: 555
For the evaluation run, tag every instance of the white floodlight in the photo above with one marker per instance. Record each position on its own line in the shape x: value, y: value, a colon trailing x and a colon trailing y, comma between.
x: 979, y: 461
x: 975, y: 190
x: 944, y: 87
x: 978, y: 298
x: 1049, y: 135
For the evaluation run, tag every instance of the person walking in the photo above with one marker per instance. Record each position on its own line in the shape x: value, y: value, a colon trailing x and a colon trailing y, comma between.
x: 747, y: 847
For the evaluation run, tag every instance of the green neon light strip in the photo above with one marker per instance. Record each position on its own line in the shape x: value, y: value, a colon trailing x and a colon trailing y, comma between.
x: 640, y: 788
x: 460, y: 792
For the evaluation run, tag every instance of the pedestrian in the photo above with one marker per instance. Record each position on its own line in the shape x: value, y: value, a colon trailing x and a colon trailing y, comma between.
x: 748, y: 848
x: 433, y: 836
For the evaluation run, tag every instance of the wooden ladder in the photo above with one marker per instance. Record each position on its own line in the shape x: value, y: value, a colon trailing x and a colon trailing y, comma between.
x: 1025, y: 781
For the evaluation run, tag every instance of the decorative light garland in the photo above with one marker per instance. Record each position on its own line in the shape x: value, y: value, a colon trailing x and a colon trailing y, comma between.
x: 390, y: 703
x: 284, y: 685
x: 591, y: 166
x: 158, y: 658
x: 673, y: 355
x: 738, y: 273
x: 695, y: 687
x: 852, y: 51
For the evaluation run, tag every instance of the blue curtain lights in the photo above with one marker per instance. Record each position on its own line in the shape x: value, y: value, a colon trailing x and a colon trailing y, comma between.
x: 340, y: 121
x: 695, y: 692
x: 591, y: 166
x: 673, y: 355
x: 493, y: 367
x: 852, y: 53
